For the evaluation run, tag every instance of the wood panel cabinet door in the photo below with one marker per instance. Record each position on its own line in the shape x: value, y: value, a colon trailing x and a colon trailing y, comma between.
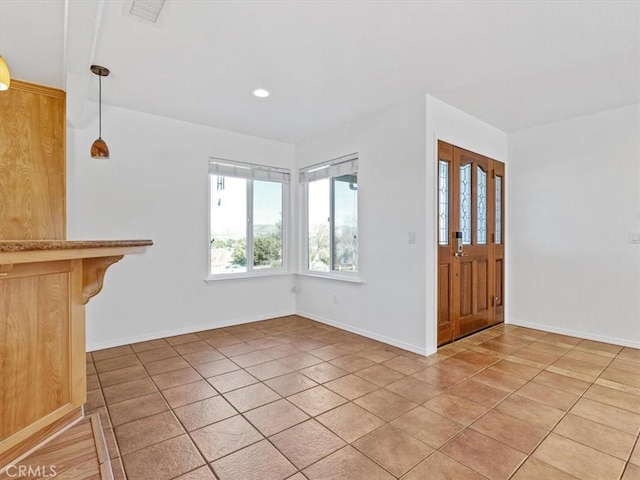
x: 32, y: 163
x: 470, y: 261
x: 42, y: 353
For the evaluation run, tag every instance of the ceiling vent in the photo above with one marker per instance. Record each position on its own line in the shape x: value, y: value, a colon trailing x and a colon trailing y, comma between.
x: 147, y: 9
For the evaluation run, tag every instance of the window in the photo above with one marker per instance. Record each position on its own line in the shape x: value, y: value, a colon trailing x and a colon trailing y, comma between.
x: 331, y: 206
x: 247, y: 223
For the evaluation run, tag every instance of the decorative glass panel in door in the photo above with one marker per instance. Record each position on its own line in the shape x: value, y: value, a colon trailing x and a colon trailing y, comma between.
x: 465, y: 203
x: 498, y: 212
x: 481, y: 204
x: 443, y: 202
x: 498, y: 243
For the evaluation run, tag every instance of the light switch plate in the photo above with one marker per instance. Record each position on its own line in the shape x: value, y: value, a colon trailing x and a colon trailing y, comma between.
x: 634, y: 237
x: 412, y: 237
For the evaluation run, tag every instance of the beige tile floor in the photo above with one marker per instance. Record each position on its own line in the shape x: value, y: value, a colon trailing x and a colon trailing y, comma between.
x: 291, y: 398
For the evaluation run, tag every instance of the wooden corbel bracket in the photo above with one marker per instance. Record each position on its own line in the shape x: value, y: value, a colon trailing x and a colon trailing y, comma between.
x: 93, y: 270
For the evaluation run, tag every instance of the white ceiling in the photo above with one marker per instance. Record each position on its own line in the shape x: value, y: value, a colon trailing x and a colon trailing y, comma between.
x: 32, y: 40
x: 513, y: 64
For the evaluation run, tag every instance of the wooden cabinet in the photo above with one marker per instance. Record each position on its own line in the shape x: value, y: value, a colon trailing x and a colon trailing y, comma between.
x: 44, y: 287
x: 45, y: 281
x: 42, y: 350
x: 32, y: 163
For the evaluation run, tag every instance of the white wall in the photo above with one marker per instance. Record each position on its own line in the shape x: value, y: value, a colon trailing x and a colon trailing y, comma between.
x: 574, y: 195
x: 446, y: 123
x: 397, y: 186
x: 155, y: 186
x: 389, y: 303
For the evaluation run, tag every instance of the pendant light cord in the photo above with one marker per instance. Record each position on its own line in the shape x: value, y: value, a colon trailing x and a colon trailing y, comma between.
x: 100, y: 107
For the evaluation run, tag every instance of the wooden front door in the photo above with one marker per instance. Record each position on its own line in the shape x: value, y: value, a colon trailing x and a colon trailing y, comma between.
x: 470, y: 242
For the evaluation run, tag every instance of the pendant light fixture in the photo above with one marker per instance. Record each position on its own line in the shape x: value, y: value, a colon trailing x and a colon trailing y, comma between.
x: 99, y: 148
x: 5, y: 76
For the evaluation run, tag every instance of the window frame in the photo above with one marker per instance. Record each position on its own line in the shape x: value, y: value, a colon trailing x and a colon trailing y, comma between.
x: 335, y: 168
x: 249, y: 171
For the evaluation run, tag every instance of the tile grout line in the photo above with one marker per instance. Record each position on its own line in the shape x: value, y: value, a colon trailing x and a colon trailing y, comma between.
x: 580, y: 396
x: 626, y: 465
x: 467, y: 347
x: 566, y: 412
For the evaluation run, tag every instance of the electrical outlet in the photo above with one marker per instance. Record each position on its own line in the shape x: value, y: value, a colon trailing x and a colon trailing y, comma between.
x: 335, y: 298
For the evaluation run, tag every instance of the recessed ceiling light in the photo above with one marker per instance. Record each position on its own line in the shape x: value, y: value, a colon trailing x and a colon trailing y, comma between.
x: 261, y: 93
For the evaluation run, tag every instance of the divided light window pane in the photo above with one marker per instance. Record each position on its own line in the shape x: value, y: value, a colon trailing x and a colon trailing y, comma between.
x: 228, y: 224
x: 247, y: 217
x: 267, y: 224
x: 345, y: 223
x: 331, y: 202
x: 318, y: 225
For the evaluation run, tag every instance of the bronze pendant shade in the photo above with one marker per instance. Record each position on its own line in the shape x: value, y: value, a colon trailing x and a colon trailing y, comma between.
x: 99, y: 148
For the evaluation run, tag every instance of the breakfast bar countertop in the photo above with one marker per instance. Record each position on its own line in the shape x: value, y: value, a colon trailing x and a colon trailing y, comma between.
x: 27, y: 251
x: 31, y: 245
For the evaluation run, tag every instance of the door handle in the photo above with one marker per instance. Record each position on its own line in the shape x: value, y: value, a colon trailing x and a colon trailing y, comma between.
x: 459, y: 245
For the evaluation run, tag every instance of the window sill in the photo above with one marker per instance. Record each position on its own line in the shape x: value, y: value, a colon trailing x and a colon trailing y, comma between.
x: 332, y: 276
x: 236, y: 276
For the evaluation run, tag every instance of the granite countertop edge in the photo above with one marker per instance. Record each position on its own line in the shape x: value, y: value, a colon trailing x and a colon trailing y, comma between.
x: 35, y: 245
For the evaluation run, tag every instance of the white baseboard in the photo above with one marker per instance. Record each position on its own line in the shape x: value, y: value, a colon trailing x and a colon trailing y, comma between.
x: 575, y: 333
x: 366, y: 333
x: 229, y: 323
x: 181, y: 331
